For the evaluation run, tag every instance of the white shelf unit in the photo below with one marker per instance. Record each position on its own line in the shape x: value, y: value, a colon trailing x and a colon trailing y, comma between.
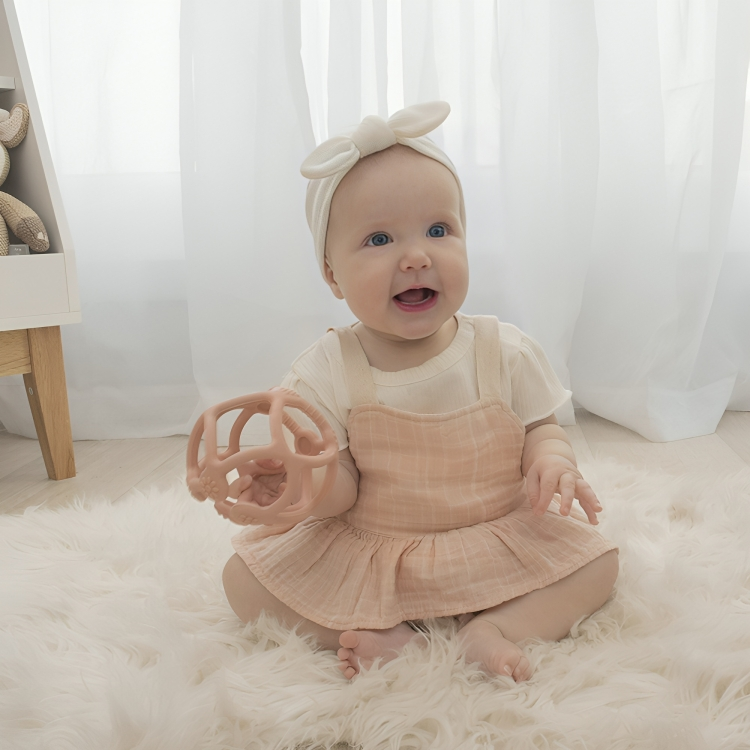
x: 38, y: 292
x: 39, y: 289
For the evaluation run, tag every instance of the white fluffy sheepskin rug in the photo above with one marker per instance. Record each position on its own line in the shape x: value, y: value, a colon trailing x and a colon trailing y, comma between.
x: 115, y: 635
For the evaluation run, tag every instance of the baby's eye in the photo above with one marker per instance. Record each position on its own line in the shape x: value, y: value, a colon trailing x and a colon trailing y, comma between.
x: 436, y: 230
x: 379, y: 239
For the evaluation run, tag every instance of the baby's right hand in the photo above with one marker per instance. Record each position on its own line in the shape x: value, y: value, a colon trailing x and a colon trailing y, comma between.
x: 262, y: 481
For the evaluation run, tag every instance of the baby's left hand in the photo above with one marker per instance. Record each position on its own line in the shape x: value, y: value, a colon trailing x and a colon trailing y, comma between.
x: 550, y: 474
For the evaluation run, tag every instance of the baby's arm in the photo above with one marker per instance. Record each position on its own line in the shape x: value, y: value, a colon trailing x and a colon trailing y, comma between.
x: 549, y: 465
x: 545, y: 437
x: 343, y: 494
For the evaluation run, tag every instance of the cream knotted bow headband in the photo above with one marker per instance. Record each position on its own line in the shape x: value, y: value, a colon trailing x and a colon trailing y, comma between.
x: 328, y: 164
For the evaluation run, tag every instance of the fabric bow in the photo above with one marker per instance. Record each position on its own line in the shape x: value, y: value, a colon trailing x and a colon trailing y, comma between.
x: 327, y: 166
x: 373, y: 134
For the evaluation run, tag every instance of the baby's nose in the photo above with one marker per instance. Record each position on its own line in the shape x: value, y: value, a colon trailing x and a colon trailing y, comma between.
x: 415, y: 258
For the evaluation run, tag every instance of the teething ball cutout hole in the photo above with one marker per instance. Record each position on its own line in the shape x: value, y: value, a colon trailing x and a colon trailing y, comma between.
x: 255, y: 431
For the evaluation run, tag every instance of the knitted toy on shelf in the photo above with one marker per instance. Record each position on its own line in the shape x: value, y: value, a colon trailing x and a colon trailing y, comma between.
x: 23, y: 222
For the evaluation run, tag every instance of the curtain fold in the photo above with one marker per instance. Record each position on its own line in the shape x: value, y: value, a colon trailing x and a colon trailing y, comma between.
x: 604, y: 150
x: 672, y: 82
x: 256, y: 299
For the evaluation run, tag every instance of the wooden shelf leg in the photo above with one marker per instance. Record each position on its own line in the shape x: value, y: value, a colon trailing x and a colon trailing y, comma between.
x: 48, y: 398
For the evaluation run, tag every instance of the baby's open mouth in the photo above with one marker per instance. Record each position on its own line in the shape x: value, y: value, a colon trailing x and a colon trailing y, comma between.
x: 416, y: 300
x: 415, y: 296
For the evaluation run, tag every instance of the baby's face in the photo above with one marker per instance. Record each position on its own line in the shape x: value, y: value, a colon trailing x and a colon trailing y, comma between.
x: 395, y: 247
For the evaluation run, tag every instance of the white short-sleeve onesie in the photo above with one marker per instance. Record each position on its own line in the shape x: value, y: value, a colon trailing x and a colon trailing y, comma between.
x: 442, y: 384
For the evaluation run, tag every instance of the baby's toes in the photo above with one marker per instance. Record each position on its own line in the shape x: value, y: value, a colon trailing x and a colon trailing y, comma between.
x: 346, y: 663
x: 522, y: 671
x: 349, y: 639
x: 510, y: 663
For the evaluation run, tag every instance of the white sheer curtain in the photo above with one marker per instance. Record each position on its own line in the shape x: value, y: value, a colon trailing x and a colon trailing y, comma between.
x: 106, y: 73
x: 256, y: 296
x: 600, y: 145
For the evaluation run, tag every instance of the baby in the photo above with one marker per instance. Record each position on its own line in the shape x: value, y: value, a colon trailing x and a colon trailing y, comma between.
x: 450, y: 453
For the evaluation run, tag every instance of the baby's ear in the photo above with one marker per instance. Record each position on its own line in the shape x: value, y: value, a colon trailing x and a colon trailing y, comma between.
x: 331, y: 280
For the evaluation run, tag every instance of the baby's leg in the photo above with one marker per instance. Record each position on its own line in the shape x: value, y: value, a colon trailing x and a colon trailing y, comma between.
x: 490, y: 638
x: 359, y: 648
x: 248, y: 597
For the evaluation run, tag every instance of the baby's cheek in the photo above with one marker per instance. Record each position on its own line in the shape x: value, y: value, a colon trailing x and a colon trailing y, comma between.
x: 368, y: 298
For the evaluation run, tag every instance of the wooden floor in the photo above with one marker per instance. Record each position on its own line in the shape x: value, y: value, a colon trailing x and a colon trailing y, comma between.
x: 112, y: 468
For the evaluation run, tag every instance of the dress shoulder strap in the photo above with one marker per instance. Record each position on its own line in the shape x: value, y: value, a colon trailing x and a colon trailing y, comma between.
x: 357, y: 369
x: 489, y: 355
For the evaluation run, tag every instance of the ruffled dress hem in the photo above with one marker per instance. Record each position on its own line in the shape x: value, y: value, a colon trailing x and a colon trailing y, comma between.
x: 279, y: 587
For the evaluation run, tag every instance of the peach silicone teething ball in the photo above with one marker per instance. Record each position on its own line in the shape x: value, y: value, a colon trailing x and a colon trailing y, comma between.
x: 207, y: 477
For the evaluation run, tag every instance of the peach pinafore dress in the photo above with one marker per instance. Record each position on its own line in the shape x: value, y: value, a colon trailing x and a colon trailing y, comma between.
x: 442, y: 524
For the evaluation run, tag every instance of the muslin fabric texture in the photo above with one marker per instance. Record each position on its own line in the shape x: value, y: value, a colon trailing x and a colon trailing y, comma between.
x: 442, y: 524
x: 329, y: 163
x: 444, y: 383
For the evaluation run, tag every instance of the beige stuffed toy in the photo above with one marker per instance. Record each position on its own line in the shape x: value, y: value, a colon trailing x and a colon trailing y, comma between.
x: 23, y: 222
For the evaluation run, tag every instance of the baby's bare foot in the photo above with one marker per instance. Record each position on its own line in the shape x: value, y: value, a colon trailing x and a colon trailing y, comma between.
x: 359, y: 648
x: 484, y: 643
